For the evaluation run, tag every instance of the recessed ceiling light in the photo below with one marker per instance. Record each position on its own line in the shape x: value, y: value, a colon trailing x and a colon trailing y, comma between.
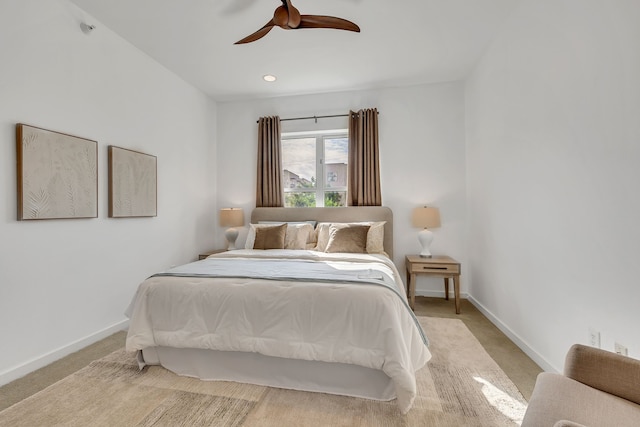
x: 269, y: 78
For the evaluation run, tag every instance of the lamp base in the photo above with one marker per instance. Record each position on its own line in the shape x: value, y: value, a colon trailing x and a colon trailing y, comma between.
x: 231, y: 235
x: 425, y: 237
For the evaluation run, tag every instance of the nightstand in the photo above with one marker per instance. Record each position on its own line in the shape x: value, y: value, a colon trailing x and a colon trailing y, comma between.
x: 435, y: 266
x: 206, y: 254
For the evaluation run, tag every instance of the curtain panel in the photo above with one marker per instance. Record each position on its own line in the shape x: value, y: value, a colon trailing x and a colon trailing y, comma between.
x: 269, y: 191
x: 364, y: 159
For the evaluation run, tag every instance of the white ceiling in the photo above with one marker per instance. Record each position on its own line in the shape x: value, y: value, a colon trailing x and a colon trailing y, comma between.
x: 402, y: 42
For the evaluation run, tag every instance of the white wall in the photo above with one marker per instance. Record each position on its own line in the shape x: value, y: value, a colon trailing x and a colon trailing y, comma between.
x: 421, y: 149
x: 65, y: 283
x: 553, y: 166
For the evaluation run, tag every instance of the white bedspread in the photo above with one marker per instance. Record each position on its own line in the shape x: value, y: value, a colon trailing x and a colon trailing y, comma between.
x: 347, y: 321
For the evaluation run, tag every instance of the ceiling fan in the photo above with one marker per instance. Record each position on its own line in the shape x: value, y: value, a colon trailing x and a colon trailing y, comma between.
x: 288, y: 17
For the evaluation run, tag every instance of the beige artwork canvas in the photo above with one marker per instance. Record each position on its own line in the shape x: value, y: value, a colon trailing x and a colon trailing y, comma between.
x: 132, y: 183
x: 57, y: 175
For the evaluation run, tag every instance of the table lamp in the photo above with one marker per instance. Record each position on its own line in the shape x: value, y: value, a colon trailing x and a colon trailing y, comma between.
x: 425, y: 218
x: 231, y: 217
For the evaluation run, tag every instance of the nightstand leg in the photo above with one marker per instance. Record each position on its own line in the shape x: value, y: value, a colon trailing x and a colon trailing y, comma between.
x: 408, y: 283
x: 456, y: 291
x: 446, y: 288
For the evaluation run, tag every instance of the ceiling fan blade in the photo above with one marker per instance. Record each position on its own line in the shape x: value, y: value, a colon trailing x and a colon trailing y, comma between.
x: 320, y: 21
x: 294, y: 14
x: 258, y: 34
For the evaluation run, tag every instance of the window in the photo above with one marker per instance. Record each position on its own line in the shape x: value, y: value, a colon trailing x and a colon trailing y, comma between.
x: 307, y: 156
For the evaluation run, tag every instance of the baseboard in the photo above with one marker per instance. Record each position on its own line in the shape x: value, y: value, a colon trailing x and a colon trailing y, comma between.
x: 48, y: 358
x: 522, y: 344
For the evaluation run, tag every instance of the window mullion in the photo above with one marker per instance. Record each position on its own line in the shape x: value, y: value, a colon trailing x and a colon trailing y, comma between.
x: 320, y: 177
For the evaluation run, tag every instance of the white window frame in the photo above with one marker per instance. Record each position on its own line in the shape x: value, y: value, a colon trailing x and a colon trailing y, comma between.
x: 320, y: 137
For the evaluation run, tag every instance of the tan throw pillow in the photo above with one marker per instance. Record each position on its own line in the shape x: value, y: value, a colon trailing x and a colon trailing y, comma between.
x: 270, y: 237
x: 349, y: 239
x: 251, y: 235
x: 375, y: 236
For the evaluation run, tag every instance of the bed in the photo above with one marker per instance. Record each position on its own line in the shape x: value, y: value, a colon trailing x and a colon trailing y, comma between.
x: 304, y: 315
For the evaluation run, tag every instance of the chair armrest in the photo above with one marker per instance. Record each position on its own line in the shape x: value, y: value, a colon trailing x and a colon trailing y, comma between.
x: 567, y: 423
x: 605, y: 371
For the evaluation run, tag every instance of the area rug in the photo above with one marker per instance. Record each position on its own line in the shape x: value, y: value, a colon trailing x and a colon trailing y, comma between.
x: 460, y: 386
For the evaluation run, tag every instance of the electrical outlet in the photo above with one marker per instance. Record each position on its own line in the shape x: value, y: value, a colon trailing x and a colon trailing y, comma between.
x: 594, y: 338
x: 620, y: 349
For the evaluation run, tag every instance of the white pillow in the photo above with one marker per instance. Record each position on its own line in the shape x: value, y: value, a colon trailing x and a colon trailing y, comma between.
x: 297, y: 236
x: 375, y: 236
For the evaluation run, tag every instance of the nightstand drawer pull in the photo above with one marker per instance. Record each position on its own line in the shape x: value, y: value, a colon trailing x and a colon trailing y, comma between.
x: 435, y: 269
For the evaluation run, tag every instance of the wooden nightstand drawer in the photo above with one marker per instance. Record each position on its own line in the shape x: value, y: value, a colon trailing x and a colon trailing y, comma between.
x: 435, y: 268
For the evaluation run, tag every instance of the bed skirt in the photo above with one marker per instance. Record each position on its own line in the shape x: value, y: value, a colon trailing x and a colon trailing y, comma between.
x: 254, y: 368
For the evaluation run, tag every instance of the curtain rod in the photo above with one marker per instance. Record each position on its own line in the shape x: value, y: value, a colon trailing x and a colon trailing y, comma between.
x: 312, y: 117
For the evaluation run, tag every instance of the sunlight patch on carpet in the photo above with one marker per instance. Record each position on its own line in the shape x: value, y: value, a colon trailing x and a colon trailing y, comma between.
x: 503, y: 402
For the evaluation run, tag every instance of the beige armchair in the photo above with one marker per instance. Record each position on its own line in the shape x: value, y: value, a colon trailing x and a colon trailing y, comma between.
x: 598, y: 388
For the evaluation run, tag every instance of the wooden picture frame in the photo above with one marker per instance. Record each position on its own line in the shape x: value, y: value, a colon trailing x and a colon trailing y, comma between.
x: 57, y: 175
x: 133, y: 184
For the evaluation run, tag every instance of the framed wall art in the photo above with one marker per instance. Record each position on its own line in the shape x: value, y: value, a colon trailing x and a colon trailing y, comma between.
x: 57, y: 175
x: 132, y: 183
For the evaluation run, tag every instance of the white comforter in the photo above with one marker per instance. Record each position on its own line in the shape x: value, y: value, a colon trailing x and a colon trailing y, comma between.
x: 343, y: 321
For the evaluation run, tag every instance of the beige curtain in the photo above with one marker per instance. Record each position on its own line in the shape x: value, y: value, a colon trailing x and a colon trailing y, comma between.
x: 364, y: 163
x: 269, y: 192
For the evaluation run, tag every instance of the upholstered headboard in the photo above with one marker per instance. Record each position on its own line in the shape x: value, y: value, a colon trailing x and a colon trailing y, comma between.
x: 346, y: 214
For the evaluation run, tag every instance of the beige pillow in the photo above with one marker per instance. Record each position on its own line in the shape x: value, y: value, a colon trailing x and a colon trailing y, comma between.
x: 347, y: 238
x: 322, y: 236
x: 298, y: 235
x: 270, y: 237
x: 375, y: 238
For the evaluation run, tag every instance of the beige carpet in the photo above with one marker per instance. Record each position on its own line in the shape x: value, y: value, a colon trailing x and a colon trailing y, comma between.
x: 460, y: 386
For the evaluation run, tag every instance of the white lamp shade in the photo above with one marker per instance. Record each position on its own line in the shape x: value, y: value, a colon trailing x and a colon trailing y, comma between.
x: 231, y: 217
x: 426, y: 217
